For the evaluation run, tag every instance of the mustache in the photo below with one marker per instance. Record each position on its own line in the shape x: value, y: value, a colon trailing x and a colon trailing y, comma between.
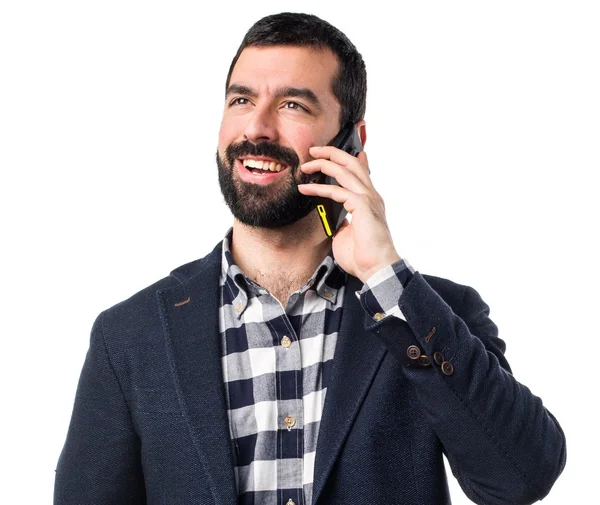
x: 268, y: 149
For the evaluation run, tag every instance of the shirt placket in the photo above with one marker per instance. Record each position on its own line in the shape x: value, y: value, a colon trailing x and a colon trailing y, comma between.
x: 290, y: 422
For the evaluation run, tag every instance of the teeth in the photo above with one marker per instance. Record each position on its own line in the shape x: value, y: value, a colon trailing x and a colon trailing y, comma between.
x: 264, y: 165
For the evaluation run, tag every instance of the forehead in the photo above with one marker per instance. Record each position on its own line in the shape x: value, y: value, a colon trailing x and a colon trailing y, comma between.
x: 270, y: 67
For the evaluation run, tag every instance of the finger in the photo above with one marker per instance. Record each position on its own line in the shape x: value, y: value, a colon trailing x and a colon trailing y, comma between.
x: 362, y: 157
x: 360, y: 169
x: 331, y: 191
x: 350, y: 199
x: 344, y: 177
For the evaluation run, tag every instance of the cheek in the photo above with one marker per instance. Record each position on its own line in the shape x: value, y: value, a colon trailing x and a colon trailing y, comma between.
x: 227, y: 132
x: 225, y: 140
x: 303, y: 138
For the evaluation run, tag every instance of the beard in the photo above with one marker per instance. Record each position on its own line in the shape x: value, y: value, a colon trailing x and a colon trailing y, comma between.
x: 264, y: 206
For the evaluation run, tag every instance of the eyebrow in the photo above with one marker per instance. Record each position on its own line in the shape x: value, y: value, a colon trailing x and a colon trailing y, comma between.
x: 284, y: 91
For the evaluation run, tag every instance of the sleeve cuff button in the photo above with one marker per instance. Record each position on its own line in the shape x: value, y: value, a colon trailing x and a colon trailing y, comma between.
x: 424, y: 360
x: 413, y: 352
x: 447, y: 368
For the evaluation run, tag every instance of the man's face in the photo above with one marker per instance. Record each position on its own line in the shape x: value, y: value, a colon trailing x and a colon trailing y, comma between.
x: 279, y: 103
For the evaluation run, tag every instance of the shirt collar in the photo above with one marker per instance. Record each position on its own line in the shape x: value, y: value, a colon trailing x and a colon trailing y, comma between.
x: 326, y: 280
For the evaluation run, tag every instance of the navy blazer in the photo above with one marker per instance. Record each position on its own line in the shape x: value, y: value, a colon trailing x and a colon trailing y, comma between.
x: 150, y: 425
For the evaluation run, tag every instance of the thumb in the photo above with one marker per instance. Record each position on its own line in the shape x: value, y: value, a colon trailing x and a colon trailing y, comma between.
x: 344, y: 224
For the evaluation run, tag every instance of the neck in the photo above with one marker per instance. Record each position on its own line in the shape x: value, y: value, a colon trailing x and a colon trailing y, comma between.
x: 282, y: 259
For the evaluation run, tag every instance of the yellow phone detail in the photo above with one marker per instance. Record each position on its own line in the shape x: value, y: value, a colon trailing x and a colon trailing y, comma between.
x: 323, y: 216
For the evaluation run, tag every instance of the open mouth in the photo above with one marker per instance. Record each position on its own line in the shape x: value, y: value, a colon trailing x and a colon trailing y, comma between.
x: 262, y: 167
x: 261, y: 172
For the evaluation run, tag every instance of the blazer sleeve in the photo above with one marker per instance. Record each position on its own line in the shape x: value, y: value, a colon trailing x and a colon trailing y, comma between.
x: 100, y: 461
x: 502, y: 444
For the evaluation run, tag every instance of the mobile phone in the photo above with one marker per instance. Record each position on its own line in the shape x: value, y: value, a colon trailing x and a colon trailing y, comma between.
x: 332, y: 213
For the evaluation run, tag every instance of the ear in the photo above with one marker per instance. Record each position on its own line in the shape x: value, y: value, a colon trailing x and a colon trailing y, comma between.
x: 361, y: 126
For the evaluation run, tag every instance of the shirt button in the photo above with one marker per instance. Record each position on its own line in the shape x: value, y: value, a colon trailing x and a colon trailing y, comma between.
x: 413, y: 352
x: 447, y: 368
x: 289, y: 422
x: 286, y: 342
x: 290, y: 502
x: 239, y: 306
x: 438, y: 357
x: 327, y: 294
x: 378, y: 316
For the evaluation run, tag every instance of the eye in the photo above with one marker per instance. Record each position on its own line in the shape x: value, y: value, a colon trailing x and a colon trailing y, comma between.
x: 236, y: 101
x: 296, y: 105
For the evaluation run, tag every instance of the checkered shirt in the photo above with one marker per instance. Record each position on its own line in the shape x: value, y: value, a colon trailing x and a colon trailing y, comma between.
x: 276, y: 366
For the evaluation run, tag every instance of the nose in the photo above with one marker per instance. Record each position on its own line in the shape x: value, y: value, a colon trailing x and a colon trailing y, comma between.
x: 261, y: 125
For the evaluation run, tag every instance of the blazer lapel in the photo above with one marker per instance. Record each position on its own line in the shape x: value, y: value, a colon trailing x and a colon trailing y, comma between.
x: 190, y: 314
x: 356, y: 360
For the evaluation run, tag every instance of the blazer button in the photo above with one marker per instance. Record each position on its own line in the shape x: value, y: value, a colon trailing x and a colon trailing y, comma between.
x: 413, y: 352
x: 438, y: 357
x: 424, y: 360
x: 447, y: 368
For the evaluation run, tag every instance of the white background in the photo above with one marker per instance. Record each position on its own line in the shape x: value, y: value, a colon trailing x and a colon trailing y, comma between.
x: 483, y: 138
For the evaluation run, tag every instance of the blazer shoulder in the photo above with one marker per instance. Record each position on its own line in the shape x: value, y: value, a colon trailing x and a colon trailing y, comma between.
x: 139, y: 309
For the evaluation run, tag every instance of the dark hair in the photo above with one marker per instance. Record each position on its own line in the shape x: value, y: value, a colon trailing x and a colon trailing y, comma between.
x: 349, y: 86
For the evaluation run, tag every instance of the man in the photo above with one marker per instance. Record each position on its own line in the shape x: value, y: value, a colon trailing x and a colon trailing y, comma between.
x: 289, y: 368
